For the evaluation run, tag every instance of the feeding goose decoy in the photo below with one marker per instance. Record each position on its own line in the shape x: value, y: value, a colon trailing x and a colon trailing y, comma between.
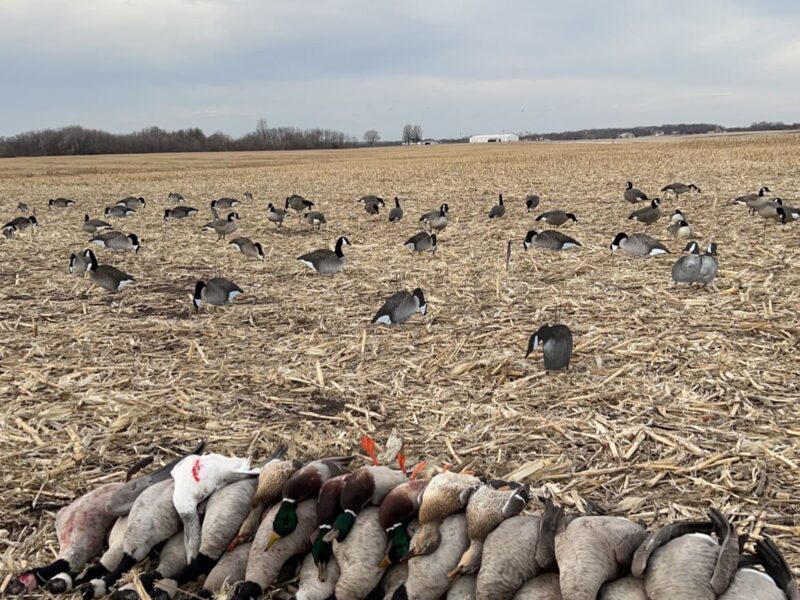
x: 105, y: 276
x: 224, y: 203
x: 325, y: 261
x: 60, y: 203
x: 22, y: 223
x: 298, y: 204
x: 632, y: 194
x: 223, y: 227
x: 175, y: 197
x: 638, y: 244
x: 531, y: 202
x: 556, y: 218
x: 422, y: 242
x: 118, y: 210
x: 687, y: 268
x: 396, y: 213
x: 680, y: 230
x: 247, y: 247
x: 680, y: 188
x: 79, y: 263
x: 400, y: 307
x: 372, y: 204
x: 437, y: 220
x: 116, y: 240
x: 9, y: 231
x: 676, y: 216
x: 276, y: 215
x: 95, y: 225
x: 23, y: 207
x: 315, y: 218
x: 217, y: 291
x: 556, y: 341
x: 649, y: 214
x: 709, y: 265
x: 132, y: 202
x: 179, y: 212
x: 498, y: 210
x: 549, y: 240
x: 750, y: 200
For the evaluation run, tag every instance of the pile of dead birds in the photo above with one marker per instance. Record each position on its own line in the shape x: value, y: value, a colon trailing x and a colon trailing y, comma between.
x: 381, y: 532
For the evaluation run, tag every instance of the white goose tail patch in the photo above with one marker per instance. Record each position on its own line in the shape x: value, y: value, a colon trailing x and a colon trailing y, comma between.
x: 125, y: 283
x: 233, y: 294
x: 568, y: 245
x: 383, y: 320
x: 657, y: 251
x: 308, y: 263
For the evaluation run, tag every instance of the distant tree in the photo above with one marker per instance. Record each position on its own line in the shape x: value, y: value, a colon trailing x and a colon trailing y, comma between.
x: 408, y: 134
x: 371, y: 136
x: 416, y: 133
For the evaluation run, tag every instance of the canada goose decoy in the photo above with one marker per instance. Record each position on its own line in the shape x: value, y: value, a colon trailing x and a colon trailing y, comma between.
x: 682, y: 560
x: 81, y: 528
x: 217, y: 291
x: 400, y: 307
x: 498, y: 210
x: 777, y: 581
x: 422, y: 242
x: 132, y: 202
x: 105, y: 276
x: 556, y: 218
x: 9, y: 231
x: 79, y: 263
x: 649, y: 214
x: 556, y: 341
x: 224, y: 203
x: 396, y: 213
x: 95, y: 225
x: 633, y: 195
x: 275, y: 215
x: 687, y: 268
x: 359, y: 555
x: 680, y: 230
x: 298, y: 204
x: 179, y: 212
x: 248, y: 196
x: 118, y: 210
x: 772, y: 211
x: 23, y: 207
x: 709, y: 265
x: 116, y: 240
x: 531, y: 202
x: 677, y: 216
x: 638, y: 244
x: 549, y: 240
x: 22, y: 223
x: 60, y: 203
x: 325, y: 261
x: 749, y: 200
x: 437, y: 221
x: 315, y: 218
x: 372, y: 204
x: 792, y: 213
x: 680, y: 188
x: 223, y: 227
x: 593, y: 550
x: 247, y: 247
x: 175, y: 197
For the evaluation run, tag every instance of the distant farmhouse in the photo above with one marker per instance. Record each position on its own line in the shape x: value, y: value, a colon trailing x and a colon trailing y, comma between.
x: 428, y: 142
x: 494, y: 137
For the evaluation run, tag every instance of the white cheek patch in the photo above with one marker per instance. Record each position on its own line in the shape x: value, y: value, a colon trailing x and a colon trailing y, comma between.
x: 384, y: 320
x: 423, y: 309
x: 67, y: 578
x: 99, y: 588
x: 309, y: 264
x: 536, y: 342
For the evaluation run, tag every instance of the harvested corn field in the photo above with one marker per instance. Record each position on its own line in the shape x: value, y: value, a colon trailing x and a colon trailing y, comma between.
x: 676, y: 399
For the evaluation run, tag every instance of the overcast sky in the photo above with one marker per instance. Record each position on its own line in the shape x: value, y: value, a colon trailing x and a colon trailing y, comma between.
x: 455, y: 67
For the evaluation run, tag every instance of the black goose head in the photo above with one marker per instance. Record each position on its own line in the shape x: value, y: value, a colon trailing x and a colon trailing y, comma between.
x: 433, y: 243
x: 167, y: 211
x: 33, y: 220
x: 572, y: 217
x: 618, y: 240
x: 500, y: 200
x: 444, y: 209
x: 134, y: 242
x: 628, y: 185
x: 259, y: 249
x: 692, y: 248
x: 342, y: 241
x: 397, y: 202
x: 85, y: 218
x: 763, y: 190
x: 198, y: 294
x: 92, y: 259
x: 420, y: 297
x: 539, y: 337
x: 529, y: 238
x: 712, y: 249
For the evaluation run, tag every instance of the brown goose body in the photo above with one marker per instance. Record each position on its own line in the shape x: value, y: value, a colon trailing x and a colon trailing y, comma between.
x: 556, y: 218
x: 247, y: 247
x: 359, y: 556
x: 625, y: 588
x: 310, y: 587
x: 649, y: 214
x: 229, y: 571
x: 542, y: 587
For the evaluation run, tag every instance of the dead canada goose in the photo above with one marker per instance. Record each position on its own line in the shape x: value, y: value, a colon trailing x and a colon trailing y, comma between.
x: 179, y: 212
x: 275, y: 215
x: 247, y: 247
x: 708, y: 265
x: 224, y: 203
x: 421, y: 242
x: 677, y: 216
x: 498, y: 210
x: 132, y: 202
x: 556, y: 341
x: 223, y: 227
x: 66, y: 582
x: 680, y: 230
x: 217, y: 291
x: 118, y: 210
x: 749, y: 583
x: 359, y: 555
x: 549, y: 240
x: 325, y: 261
x: 638, y: 244
x: 116, y: 240
x: 105, y: 276
x: 23, y: 207
x: 556, y: 218
x: 531, y: 202
x: 315, y: 218
x: 171, y: 561
x: 680, y: 188
x: 310, y: 586
x: 372, y: 204
x: 175, y: 197
x: 437, y: 221
x: 229, y: 571
x: 79, y: 263
x: 397, y: 212
x: 400, y: 307
x: 633, y: 194
x: 22, y: 223
x: 60, y: 203
x: 649, y: 214
x: 298, y: 204
x: 687, y: 268
x: 95, y: 225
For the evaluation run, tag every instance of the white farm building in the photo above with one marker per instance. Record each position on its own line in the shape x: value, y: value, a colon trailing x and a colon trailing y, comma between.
x: 494, y: 137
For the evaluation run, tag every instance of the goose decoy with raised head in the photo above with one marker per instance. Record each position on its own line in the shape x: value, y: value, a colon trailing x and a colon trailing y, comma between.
x: 275, y: 215
x: 247, y: 247
x: 223, y: 227
x: 105, y: 276
x: 437, y: 220
x: 224, y: 203
x: 315, y: 218
x: 217, y: 291
x: 531, y: 202
x: 687, y: 268
x: 325, y: 261
x: 680, y: 230
x: 556, y: 341
x: 556, y: 218
x: 498, y: 210
x: 60, y: 203
x: 175, y: 197
x: 632, y: 194
x: 372, y: 204
x: 422, y: 242
x: 751, y: 200
x: 676, y: 216
x: 680, y: 188
x: 649, y: 214
x: 298, y: 204
x: 132, y: 202
x: 400, y: 307
x: 95, y: 225
x: 118, y: 210
x: 638, y: 244
x: 549, y: 240
x: 179, y: 212
x: 116, y: 240
x: 396, y: 213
